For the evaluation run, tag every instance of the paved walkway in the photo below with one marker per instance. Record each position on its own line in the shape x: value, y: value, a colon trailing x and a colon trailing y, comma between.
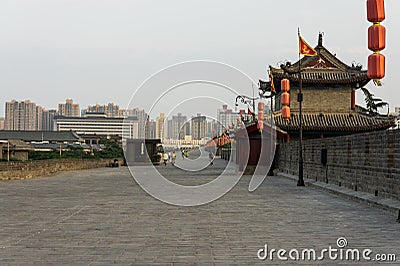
x: 102, y: 217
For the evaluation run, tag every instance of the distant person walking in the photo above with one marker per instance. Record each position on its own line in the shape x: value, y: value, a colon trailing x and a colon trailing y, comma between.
x: 165, y: 158
x: 173, y: 158
x: 183, y: 154
x: 211, y: 157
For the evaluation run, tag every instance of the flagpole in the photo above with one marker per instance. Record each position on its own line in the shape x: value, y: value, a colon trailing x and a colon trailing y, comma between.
x: 300, y: 182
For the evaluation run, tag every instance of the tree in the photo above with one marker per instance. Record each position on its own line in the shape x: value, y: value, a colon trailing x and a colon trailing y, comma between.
x: 373, y: 104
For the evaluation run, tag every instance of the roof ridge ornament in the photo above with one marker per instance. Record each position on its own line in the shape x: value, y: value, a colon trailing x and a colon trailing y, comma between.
x: 320, y: 38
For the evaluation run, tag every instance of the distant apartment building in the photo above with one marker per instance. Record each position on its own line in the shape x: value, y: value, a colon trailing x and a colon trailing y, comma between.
x: 142, y: 118
x: 69, y: 109
x: 2, y: 123
x: 177, y: 123
x: 110, y: 109
x: 226, y: 117
x: 48, y: 120
x: 125, y: 113
x: 161, y: 126
x: 39, y: 117
x: 211, y: 128
x: 99, y: 124
x: 198, y: 127
x: 22, y: 115
x: 150, y: 131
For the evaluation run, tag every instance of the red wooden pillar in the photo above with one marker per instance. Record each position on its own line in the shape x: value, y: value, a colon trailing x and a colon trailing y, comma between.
x: 353, y: 100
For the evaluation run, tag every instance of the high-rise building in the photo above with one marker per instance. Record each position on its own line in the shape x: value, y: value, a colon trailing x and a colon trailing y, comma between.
x: 48, y: 120
x: 198, y: 127
x: 125, y: 113
x: 142, y: 118
x: 161, y: 127
x: 21, y: 115
x: 69, y: 109
x: 211, y: 128
x: 110, y: 110
x: 226, y: 117
x: 1, y: 123
x: 39, y: 117
x: 150, y: 132
x: 169, y: 136
x: 177, y: 123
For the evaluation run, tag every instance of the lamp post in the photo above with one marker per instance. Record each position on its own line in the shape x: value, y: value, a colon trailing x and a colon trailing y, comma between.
x: 247, y: 100
x: 300, y: 181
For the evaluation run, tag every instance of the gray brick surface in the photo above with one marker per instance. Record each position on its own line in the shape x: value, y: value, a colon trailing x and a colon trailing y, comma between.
x: 102, y: 217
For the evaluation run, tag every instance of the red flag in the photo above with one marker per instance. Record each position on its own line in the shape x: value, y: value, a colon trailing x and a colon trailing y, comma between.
x: 305, y: 48
x: 271, y: 81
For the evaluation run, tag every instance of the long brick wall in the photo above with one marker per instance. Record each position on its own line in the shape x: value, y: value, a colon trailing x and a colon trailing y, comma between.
x: 33, y: 169
x: 368, y: 162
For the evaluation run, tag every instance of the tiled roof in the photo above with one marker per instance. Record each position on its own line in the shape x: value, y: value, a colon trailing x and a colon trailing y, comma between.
x: 68, y: 136
x: 345, y: 122
x: 324, y: 68
x: 322, y: 76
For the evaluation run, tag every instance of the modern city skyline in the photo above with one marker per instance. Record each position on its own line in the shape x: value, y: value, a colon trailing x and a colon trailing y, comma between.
x: 103, y: 62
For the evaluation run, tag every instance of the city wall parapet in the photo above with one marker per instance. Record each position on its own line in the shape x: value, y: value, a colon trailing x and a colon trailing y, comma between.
x: 367, y: 162
x: 40, y: 168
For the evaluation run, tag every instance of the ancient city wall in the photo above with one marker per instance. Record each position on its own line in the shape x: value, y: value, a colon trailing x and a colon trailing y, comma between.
x: 368, y: 162
x: 32, y: 169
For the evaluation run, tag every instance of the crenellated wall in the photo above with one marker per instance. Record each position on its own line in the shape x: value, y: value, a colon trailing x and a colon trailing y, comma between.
x: 33, y: 169
x: 368, y: 162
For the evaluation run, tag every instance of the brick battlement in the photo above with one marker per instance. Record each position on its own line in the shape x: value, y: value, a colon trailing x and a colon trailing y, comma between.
x: 33, y: 169
x: 367, y: 162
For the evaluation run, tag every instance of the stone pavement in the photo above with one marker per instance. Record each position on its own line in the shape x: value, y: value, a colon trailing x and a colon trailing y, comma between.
x: 102, y: 217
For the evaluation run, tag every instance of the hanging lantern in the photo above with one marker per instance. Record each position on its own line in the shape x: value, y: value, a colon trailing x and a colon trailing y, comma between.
x: 376, y: 37
x: 261, y: 116
x: 285, y: 85
x: 285, y: 98
x: 260, y: 122
x: 260, y: 106
x: 286, y: 112
x: 376, y: 66
x: 260, y: 111
x: 375, y: 10
x: 260, y: 125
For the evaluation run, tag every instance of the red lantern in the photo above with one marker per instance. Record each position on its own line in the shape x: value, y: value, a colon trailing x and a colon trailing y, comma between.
x: 260, y: 116
x: 376, y: 37
x: 260, y: 125
x: 376, y: 66
x: 375, y: 10
x: 285, y: 98
x: 286, y: 112
x: 285, y: 85
x: 261, y: 106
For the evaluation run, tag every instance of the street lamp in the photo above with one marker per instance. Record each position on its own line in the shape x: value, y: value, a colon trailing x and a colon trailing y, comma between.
x: 247, y: 100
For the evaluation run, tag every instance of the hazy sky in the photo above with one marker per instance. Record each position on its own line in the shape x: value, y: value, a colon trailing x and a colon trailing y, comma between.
x: 100, y: 51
